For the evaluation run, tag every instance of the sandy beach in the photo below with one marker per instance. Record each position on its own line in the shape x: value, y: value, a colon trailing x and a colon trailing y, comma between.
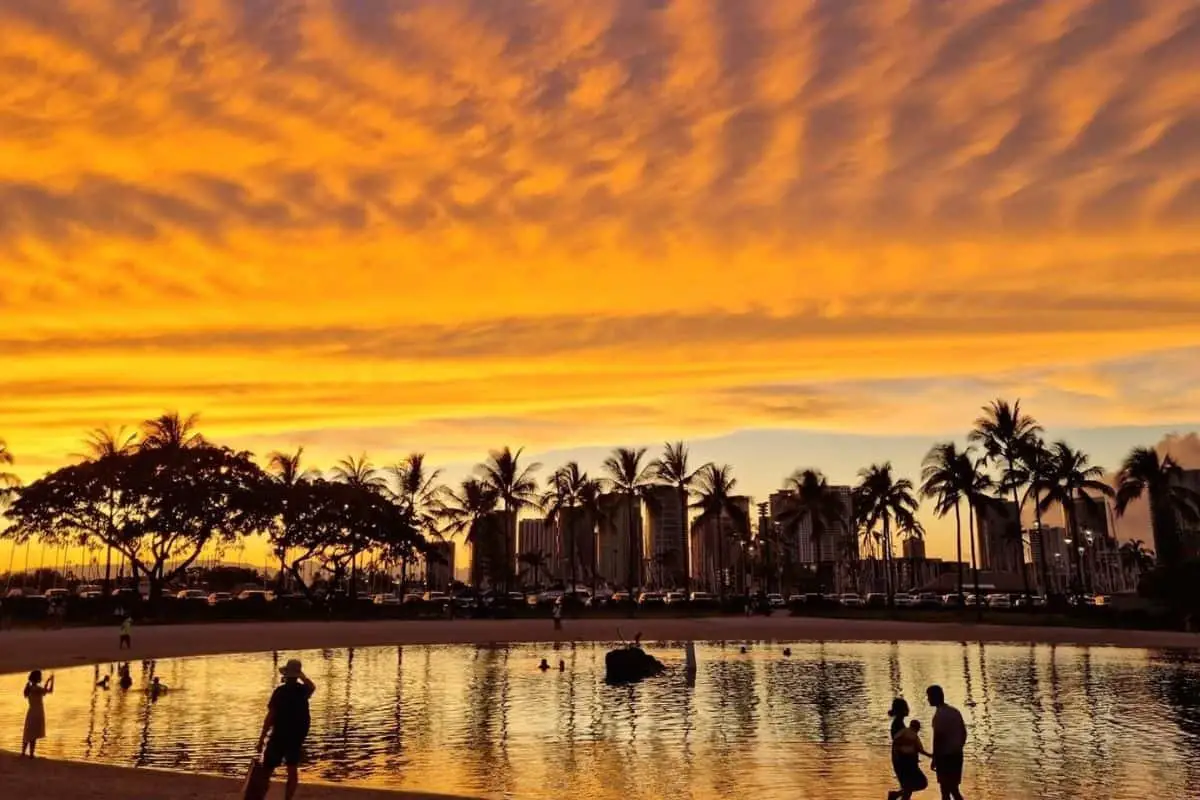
x: 22, y: 650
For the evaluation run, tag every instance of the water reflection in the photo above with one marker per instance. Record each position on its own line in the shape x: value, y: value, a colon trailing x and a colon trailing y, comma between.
x: 1046, y: 722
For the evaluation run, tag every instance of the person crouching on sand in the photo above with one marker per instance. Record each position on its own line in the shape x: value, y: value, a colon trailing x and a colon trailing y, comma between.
x: 35, y: 718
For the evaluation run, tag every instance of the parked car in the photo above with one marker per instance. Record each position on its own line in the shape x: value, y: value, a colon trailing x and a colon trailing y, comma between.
x: 436, y: 597
x: 255, y: 596
x: 998, y: 601
x: 57, y: 594
x: 775, y: 600
x: 412, y: 597
x: 905, y: 600
x: 851, y: 601
x: 217, y: 598
x: 928, y: 600
x: 674, y: 598
x: 619, y: 598
x: 652, y: 599
x: 386, y: 600
x: 192, y: 595
x: 875, y: 600
x: 89, y: 590
x: 954, y: 600
x: 970, y: 600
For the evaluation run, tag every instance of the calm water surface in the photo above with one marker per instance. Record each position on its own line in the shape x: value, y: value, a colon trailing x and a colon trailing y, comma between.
x: 1046, y: 722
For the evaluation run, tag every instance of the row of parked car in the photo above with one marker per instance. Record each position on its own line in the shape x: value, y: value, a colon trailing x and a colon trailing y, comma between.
x: 930, y: 600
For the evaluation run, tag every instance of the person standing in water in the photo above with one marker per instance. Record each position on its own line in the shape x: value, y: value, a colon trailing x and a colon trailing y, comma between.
x: 288, y: 719
x: 906, y: 761
x: 35, y: 717
x: 949, y: 739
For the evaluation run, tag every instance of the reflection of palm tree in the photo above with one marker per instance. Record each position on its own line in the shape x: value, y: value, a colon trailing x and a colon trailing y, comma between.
x: 517, y: 489
x: 1074, y: 478
x: 672, y: 469
x: 1005, y: 434
x: 469, y: 513
x: 886, y: 501
x: 1144, y: 474
x: 627, y: 476
x: 811, y: 499
x: 717, y: 503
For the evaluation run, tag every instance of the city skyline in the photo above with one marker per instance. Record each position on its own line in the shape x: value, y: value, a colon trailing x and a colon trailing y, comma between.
x: 785, y: 233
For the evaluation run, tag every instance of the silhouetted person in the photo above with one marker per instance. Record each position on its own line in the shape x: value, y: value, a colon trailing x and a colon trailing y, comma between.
x: 126, y: 640
x: 545, y: 665
x: 103, y: 682
x: 556, y: 612
x: 125, y: 679
x: 906, y: 757
x: 287, y: 721
x: 35, y: 717
x: 157, y: 688
x: 743, y: 650
x: 787, y: 651
x: 949, y: 739
x: 562, y: 665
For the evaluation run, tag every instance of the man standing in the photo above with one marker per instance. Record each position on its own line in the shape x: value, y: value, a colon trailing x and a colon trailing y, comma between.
x: 287, y: 721
x: 949, y: 738
x: 125, y: 642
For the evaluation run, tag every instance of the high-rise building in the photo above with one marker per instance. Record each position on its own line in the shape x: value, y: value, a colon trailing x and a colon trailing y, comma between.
x: 488, y: 553
x: 1051, y: 543
x: 620, y: 540
x: 576, y: 533
x: 1000, y: 544
x: 834, y: 544
x: 913, y: 548
x: 718, y: 550
x: 667, y: 547
x: 439, y: 566
x: 1189, y: 532
x: 535, y: 536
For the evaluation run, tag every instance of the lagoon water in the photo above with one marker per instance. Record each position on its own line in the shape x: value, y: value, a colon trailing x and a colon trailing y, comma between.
x: 1053, y: 723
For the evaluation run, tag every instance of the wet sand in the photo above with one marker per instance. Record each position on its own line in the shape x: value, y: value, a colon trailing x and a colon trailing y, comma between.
x: 42, y: 779
x: 23, y: 650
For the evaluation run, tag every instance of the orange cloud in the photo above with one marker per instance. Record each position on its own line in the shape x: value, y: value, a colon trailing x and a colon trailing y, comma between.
x: 428, y: 220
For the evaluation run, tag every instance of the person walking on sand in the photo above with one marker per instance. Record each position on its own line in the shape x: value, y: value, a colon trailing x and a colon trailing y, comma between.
x: 287, y: 722
x: 949, y: 739
x: 125, y: 642
x: 556, y: 612
x: 35, y: 717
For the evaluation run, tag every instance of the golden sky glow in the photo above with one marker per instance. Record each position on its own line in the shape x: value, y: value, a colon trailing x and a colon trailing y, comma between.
x: 450, y: 224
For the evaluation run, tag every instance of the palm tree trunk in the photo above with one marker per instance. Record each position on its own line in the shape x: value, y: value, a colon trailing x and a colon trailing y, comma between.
x: 889, y: 579
x: 1037, y: 523
x: 971, y: 514
x: 634, y: 554
x: 958, y: 528
x: 1020, y: 535
x: 686, y: 544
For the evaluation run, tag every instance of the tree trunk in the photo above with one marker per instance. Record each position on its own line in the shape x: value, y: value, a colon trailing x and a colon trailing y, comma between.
x: 888, y: 580
x: 958, y: 528
x: 686, y: 543
x: 971, y: 514
x: 1037, y: 523
x: 634, y: 555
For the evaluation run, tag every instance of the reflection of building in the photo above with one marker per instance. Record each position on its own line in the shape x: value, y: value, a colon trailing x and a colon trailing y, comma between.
x: 1001, y: 548
x: 439, y: 566
x: 914, y: 548
x: 620, y: 540
x: 718, y: 550
x: 1057, y: 553
x: 667, y: 553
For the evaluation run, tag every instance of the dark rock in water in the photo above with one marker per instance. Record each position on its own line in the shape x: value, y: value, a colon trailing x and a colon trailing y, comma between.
x: 629, y: 664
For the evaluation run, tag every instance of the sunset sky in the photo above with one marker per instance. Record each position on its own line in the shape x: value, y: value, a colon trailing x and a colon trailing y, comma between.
x: 794, y: 233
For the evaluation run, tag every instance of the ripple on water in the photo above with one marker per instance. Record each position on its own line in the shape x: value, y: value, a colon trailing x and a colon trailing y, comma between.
x: 1045, y: 722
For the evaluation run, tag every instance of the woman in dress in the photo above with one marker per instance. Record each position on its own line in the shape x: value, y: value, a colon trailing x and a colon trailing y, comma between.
x: 906, y: 749
x: 35, y: 718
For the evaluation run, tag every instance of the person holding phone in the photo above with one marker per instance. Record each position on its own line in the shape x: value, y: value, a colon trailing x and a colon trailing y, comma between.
x: 35, y: 717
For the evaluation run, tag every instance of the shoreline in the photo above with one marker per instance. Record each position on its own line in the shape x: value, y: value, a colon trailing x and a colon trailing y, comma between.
x: 52, y: 779
x: 24, y: 650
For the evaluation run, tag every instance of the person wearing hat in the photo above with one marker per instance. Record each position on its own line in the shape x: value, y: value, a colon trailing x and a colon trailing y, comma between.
x: 287, y: 723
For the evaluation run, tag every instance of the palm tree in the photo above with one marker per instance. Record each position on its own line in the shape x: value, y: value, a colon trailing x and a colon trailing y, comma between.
x: 535, y: 562
x: 7, y: 479
x: 1144, y: 473
x: 1135, y: 558
x: 101, y: 444
x: 627, y: 476
x: 887, y: 501
x: 944, y: 479
x: 718, y: 504
x: 912, y: 531
x: 361, y: 474
x: 287, y: 473
x: 672, y: 469
x: 517, y: 489
x: 811, y: 499
x: 1074, y: 478
x: 418, y: 492
x: 980, y: 495
x: 171, y: 430
x: 1006, y: 433
x: 1037, y: 464
x: 568, y: 493
x: 470, y: 513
